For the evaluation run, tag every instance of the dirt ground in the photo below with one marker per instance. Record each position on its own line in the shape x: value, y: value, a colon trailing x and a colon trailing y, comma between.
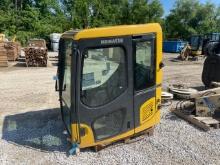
x: 31, y: 127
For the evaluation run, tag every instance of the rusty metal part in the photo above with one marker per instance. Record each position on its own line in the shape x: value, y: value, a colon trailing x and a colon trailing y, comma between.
x: 208, y: 105
x: 204, y: 103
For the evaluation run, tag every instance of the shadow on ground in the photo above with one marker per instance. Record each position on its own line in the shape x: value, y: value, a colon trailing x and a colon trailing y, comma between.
x: 39, y: 130
x: 172, y: 116
x: 20, y: 64
x: 54, y: 63
x: 175, y: 59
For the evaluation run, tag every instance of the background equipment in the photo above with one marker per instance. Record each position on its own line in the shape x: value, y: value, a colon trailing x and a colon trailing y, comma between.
x: 211, y: 68
x: 199, y: 45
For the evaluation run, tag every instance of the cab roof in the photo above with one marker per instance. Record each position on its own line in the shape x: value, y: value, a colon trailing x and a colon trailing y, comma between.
x: 122, y: 30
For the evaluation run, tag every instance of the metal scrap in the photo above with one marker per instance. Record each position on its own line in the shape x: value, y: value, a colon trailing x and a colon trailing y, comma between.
x: 181, y: 91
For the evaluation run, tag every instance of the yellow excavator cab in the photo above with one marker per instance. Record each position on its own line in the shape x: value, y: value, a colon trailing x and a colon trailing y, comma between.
x: 109, y: 82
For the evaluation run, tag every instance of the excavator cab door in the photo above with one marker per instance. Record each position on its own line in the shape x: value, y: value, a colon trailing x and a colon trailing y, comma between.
x: 144, y: 55
x: 104, y: 99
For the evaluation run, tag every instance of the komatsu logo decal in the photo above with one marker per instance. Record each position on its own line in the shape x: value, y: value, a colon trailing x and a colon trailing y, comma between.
x: 113, y: 41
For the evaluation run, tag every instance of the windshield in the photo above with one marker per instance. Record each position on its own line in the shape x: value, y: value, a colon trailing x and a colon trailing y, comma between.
x: 104, y: 75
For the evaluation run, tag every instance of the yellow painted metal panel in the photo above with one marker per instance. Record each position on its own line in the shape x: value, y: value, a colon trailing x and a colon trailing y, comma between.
x: 150, y: 123
x: 147, y: 110
x: 122, y: 30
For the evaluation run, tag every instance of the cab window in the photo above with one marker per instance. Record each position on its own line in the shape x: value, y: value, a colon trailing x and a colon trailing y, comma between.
x: 67, y: 73
x: 103, y: 76
x: 144, y: 71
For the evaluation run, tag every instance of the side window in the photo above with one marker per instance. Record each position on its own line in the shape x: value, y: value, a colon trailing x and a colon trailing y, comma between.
x: 144, y: 65
x: 104, y: 75
x: 67, y: 73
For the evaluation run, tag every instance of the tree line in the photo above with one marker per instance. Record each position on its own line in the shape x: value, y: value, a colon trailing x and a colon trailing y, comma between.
x: 27, y: 19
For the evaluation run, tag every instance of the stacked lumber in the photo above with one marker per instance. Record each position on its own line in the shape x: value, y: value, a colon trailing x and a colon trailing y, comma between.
x: 37, y: 43
x: 3, y: 55
x: 18, y: 45
x: 36, y: 56
x: 12, y: 50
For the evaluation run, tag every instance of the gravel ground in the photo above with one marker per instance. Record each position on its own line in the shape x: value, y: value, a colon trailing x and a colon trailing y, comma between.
x: 32, y: 129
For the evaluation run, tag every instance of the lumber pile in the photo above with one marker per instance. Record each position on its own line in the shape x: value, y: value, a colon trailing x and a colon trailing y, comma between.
x: 36, y: 53
x: 36, y: 56
x: 37, y: 43
x: 12, y: 50
x: 18, y: 46
x: 3, y: 55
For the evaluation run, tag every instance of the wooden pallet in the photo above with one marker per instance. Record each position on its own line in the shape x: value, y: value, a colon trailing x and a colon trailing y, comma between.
x: 209, y: 121
x: 128, y: 140
x: 205, y: 123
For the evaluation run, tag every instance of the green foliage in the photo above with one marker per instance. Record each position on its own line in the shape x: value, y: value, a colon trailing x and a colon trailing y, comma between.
x: 31, y: 19
x: 38, y: 18
x: 140, y: 11
x: 191, y: 17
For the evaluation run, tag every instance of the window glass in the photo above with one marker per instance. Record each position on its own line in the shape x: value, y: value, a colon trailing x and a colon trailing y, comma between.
x: 144, y: 65
x: 108, y: 125
x: 104, y: 75
x: 67, y: 73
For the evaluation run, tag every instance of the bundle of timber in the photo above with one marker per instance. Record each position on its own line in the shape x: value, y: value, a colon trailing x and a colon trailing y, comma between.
x: 18, y: 46
x: 36, y: 53
x: 37, y: 43
x: 12, y: 50
x: 3, y: 55
x: 36, y: 56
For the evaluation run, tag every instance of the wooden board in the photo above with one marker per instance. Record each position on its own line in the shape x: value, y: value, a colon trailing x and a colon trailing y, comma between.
x: 3, y: 58
x: 205, y: 123
x: 11, y: 48
x: 209, y: 121
x: 3, y: 64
